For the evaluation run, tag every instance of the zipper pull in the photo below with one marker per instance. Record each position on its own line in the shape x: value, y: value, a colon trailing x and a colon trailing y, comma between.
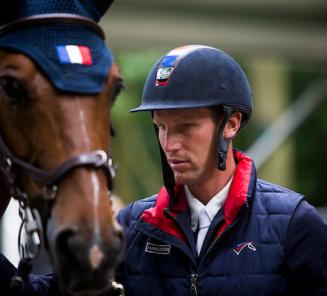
x: 194, y: 291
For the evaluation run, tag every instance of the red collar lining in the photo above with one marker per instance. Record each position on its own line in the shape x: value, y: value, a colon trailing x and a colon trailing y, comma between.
x: 157, y: 217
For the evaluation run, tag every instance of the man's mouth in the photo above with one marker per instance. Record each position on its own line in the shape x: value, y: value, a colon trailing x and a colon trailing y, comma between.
x: 177, y: 164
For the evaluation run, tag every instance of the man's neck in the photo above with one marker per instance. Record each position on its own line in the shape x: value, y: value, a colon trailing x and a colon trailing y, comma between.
x: 207, y: 189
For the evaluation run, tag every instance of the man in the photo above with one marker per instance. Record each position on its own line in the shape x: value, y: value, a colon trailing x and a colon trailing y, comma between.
x: 214, y: 228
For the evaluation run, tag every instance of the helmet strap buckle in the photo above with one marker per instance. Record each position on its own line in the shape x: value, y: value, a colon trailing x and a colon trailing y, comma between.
x: 222, y: 153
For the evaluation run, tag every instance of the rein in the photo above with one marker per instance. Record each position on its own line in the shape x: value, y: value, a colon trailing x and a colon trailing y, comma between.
x: 12, y: 167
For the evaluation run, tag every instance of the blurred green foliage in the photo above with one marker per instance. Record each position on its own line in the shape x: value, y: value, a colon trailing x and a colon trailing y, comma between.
x: 135, y: 148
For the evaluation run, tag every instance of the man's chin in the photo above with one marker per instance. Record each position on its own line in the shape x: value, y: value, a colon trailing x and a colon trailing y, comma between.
x: 183, y: 179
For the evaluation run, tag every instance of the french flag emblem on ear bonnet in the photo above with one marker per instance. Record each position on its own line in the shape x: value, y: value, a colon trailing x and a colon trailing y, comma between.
x: 72, y: 55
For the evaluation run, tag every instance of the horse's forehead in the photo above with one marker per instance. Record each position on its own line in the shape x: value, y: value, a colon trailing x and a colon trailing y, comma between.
x: 72, y: 56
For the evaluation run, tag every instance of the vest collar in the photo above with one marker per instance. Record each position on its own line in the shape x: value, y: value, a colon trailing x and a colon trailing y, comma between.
x: 240, y: 193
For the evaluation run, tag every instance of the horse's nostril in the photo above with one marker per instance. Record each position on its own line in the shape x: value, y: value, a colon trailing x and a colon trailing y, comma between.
x: 120, y: 235
x: 121, y: 241
x: 118, y: 230
x: 75, y: 252
x: 64, y: 243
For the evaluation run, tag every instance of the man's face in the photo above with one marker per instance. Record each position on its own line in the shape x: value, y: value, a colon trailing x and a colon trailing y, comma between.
x: 188, y: 139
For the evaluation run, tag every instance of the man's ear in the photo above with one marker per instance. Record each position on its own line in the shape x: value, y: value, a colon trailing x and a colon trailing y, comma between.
x: 233, y: 125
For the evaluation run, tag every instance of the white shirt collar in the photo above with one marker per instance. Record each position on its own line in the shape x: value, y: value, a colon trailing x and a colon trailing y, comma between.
x: 212, y: 207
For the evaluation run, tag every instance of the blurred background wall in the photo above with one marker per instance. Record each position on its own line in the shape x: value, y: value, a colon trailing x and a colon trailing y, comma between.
x: 282, y: 46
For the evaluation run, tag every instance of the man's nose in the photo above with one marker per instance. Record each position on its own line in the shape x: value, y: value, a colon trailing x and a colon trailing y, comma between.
x: 170, y: 143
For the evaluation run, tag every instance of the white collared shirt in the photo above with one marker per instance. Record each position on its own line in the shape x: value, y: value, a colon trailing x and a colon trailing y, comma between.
x: 211, y: 208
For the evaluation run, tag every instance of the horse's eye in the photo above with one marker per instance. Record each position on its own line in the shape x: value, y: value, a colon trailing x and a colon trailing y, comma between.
x: 119, y: 87
x: 13, y: 89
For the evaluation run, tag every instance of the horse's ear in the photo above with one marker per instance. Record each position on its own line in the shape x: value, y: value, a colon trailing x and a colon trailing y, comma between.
x: 4, y: 196
x: 100, y: 6
x: 6, y: 8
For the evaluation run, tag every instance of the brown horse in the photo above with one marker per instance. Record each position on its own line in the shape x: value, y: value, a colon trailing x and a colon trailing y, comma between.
x: 50, y: 129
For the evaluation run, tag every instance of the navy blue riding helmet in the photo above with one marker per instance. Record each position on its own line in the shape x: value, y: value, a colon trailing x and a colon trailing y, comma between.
x: 72, y: 55
x: 196, y: 76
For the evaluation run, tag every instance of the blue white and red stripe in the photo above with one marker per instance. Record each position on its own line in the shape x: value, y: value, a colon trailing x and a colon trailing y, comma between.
x: 74, y: 54
x: 170, y: 61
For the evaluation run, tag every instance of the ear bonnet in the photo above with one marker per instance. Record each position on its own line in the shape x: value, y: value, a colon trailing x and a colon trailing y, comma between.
x: 62, y: 38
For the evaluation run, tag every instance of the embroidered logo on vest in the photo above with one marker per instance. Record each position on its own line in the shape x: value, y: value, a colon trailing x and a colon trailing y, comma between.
x: 157, y: 249
x: 238, y: 249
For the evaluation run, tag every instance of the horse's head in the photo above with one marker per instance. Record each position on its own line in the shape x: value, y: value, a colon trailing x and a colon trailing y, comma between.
x: 54, y: 129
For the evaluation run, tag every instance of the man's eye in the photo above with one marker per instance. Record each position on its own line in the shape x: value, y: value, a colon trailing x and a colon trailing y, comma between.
x: 13, y: 89
x: 186, y: 126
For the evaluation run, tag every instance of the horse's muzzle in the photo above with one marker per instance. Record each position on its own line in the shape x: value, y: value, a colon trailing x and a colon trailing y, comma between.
x: 86, y: 265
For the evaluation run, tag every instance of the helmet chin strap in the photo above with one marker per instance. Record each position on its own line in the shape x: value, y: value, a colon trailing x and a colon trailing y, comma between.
x: 223, y: 143
x: 167, y: 173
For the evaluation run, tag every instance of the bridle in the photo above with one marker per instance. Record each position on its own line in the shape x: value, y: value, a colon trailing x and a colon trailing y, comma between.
x: 12, y: 167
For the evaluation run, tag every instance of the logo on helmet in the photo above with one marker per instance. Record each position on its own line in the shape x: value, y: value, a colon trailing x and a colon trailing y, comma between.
x: 164, y: 73
x: 170, y: 61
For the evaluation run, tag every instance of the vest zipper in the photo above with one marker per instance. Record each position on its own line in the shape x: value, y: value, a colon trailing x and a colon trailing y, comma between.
x: 217, y: 238
x: 194, y: 291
